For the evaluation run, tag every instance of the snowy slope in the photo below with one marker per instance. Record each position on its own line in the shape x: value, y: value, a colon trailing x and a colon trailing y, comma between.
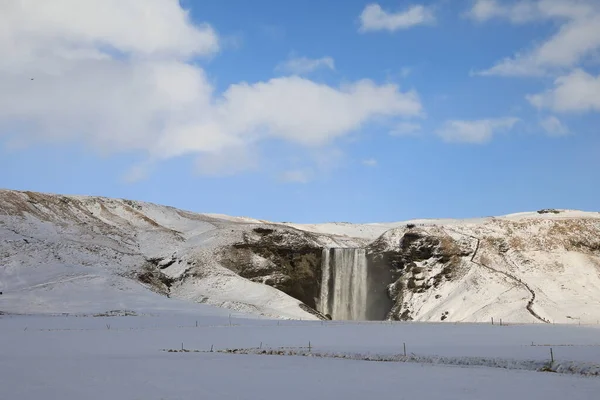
x: 80, y: 254
x: 526, y: 267
x: 366, y: 232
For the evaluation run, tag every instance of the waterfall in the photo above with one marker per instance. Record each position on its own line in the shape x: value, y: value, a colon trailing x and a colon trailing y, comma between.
x: 344, y: 284
x: 325, y: 302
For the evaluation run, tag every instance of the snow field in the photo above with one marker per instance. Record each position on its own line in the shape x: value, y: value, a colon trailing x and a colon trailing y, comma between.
x: 122, y: 358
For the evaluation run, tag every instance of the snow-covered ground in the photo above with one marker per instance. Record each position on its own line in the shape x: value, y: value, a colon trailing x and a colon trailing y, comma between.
x: 71, y: 358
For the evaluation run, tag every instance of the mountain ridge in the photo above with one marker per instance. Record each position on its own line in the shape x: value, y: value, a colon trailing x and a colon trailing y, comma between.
x: 54, y: 246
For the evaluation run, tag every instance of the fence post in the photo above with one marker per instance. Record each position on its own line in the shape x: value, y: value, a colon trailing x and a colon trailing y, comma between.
x: 551, y: 355
x: 404, y: 349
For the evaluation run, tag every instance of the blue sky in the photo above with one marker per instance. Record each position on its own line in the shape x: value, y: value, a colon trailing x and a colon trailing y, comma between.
x: 306, y: 111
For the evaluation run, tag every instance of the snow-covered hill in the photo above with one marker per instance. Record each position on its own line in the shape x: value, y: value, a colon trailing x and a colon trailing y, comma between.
x: 74, y: 254
x: 67, y: 254
x: 528, y: 267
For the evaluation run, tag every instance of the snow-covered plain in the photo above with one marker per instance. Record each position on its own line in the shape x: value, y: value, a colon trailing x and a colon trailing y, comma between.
x: 72, y: 358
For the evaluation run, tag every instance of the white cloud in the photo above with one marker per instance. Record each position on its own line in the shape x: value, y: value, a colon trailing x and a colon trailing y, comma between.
x: 295, y: 176
x: 483, y: 10
x: 117, y: 75
x: 315, y: 114
x: 304, y: 65
x: 374, y: 18
x: 576, y: 92
x: 369, y: 162
x: 553, y: 126
x: 405, y: 128
x: 577, y: 39
x: 477, y: 131
x: 33, y: 29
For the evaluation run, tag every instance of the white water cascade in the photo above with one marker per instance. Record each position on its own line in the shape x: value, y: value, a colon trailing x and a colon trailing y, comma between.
x: 344, y: 284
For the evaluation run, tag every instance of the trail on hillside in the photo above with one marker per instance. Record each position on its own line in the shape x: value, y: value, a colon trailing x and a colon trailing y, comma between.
x: 531, y: 301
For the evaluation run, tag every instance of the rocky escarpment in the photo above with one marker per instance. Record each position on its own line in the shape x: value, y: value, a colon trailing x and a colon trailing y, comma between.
x: 416, y: 261
x: 152, y: 276
x: 522, y: 268
x: 286, y: 259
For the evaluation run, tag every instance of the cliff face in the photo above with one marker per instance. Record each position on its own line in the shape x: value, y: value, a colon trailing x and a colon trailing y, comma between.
x: 523, y: 268
x: 287, y: 260
x: 419, y: 260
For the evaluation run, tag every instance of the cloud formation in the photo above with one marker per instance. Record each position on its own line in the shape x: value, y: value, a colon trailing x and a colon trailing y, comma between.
x: 577, y: 92
x: 375, y: 18
x: 71, y: 29
x: 475, y: 131
x: 577, y: 39
x: 118, y: 75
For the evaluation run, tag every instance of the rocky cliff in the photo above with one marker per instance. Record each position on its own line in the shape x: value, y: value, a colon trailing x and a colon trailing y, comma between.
x: 521, y: 268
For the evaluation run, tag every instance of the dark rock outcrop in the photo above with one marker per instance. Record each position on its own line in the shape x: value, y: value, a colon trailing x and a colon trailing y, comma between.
x: 418, y: 261
x: 288, y: 260
x: 151, y: 275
